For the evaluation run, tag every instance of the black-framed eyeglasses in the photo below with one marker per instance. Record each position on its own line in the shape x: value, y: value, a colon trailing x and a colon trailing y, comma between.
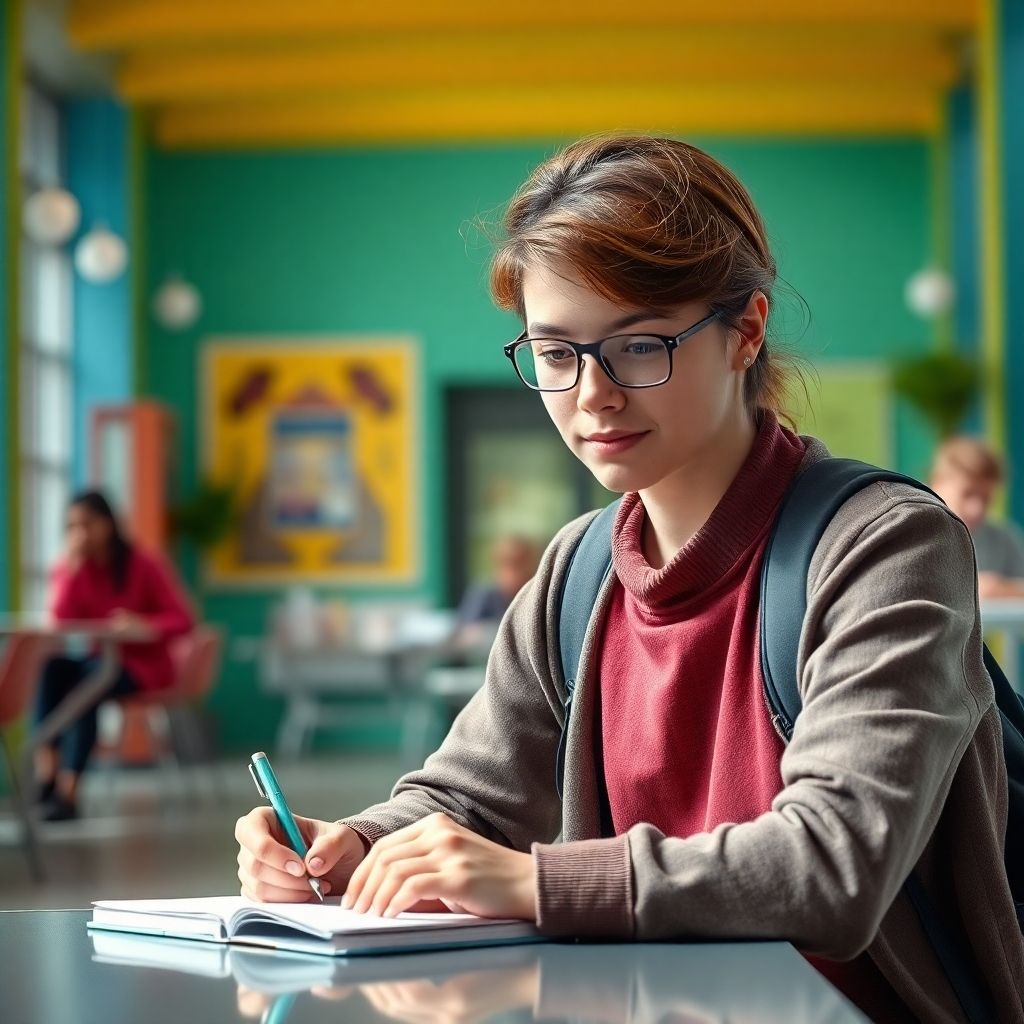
x: 630, y: 360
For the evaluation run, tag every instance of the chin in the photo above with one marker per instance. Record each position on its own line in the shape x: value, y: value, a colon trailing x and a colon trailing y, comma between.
x: 621, y: 479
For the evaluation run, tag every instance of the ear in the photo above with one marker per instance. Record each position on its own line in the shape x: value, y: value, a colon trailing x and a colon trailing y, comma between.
x: 751, y: 327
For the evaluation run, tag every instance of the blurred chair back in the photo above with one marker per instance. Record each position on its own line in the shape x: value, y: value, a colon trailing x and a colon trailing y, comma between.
x: 196, y: 657
x: 20, y: 666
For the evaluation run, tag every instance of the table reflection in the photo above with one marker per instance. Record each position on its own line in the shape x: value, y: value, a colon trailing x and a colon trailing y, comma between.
x: 602, y: 984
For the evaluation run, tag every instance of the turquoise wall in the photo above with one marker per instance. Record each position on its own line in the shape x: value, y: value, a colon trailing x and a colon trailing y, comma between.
x: 1011, y: 95
x: 104, y: 349
x: 377, y: 241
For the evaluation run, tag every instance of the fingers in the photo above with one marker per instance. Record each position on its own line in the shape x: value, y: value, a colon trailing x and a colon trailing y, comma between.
x: 260, y: 892
x: 331, y: 847
x: 412, y: 890
x: 378, y: 898
x: 267, y: 884
x: 368, y: 875
x: 255, y: 832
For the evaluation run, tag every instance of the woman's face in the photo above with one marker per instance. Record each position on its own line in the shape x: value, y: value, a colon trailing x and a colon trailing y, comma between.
x: 88, y: 534
x: 633, y: 438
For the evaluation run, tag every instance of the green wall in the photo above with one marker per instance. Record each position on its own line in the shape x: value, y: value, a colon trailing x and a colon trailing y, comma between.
x: 379, y: 241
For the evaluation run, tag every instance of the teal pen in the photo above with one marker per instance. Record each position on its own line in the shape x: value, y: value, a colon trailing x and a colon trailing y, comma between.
x: 277, y: 1012
x: 270, y: 789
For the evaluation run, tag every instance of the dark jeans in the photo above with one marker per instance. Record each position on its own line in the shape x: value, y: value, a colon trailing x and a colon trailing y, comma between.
x: 60, y: 676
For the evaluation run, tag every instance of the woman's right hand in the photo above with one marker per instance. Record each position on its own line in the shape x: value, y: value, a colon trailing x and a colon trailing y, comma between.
x: 271, y: 872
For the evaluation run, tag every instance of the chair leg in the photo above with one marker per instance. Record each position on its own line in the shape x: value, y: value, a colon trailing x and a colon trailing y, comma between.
x: 299, y: 723
x: 29, y: 839
x: 169, y: 759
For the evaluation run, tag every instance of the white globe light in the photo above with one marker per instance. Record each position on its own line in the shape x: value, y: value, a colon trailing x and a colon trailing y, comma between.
x: 101, y: 256
x: 177, y: 304
x: 51, y: 216
x: 929, y: 292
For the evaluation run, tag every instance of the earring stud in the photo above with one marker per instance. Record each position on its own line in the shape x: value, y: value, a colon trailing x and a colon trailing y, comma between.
x: 746, y: 360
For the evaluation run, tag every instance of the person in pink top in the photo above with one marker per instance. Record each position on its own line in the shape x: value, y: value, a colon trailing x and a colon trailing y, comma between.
x: 103, y: 576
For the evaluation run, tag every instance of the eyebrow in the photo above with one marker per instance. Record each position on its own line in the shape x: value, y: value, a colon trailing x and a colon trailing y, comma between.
x: 542, y: 330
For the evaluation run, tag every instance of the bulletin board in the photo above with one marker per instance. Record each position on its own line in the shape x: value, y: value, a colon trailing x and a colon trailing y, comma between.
x: 318, y: 442
x: 851, y: 410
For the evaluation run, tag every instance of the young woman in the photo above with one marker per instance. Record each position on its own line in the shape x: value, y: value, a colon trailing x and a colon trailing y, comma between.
x: 103, y: 576
x: 644, y: 279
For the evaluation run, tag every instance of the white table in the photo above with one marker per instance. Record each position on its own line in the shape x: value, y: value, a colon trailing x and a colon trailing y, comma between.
x: 1005, y: 616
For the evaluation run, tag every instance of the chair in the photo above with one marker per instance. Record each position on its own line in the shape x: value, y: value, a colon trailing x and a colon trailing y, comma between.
x: 20, y: 667
x: 167, y: 718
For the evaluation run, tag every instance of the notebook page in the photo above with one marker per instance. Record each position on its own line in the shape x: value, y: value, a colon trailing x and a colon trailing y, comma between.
x: 205, y: 917
x: 329, y: 919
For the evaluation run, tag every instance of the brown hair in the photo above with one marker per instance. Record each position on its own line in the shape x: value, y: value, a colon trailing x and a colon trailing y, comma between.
x: 968, y: 456
x: 646, y: 222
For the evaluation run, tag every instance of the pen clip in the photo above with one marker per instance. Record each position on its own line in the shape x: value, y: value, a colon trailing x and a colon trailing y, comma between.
x: 256, y: 779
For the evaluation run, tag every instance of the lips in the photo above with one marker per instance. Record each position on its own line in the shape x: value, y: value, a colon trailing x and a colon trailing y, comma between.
x: 613, y: 441
x: 611, y: 435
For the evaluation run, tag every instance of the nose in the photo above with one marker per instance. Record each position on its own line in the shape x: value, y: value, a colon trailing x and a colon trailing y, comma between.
x: 597, y: 390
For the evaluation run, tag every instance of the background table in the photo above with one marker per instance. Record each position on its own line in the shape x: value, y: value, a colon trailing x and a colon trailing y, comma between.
x: 89, y: 692
x: 51, y: 970
x: 1006, y: 617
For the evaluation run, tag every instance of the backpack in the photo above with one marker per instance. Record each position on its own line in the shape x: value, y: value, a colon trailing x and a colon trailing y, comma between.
x: 807, y: 507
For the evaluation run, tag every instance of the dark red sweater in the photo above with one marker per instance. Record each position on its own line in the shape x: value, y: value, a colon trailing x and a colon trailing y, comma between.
x: 688, y: 742
x: 150, y: 590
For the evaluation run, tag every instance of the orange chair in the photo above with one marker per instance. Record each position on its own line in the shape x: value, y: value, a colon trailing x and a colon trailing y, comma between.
x: 162, y: 722
x: 20, y: 667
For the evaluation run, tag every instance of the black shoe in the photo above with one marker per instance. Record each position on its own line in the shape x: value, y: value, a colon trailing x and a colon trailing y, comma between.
x: 58, y: 809
x: 44, y: 792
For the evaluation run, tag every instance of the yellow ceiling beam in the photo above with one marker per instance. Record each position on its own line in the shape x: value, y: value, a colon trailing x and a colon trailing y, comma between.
x: 435, y: 116
x: 596, y: 57
x: 126, y: 24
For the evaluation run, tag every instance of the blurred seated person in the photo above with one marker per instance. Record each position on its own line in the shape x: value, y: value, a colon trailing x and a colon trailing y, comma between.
x: 103, y: 576
x: 966, y: 474
x: 514, y: 560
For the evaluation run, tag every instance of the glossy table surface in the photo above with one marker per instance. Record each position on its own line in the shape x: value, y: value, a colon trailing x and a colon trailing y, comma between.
x: 52, y: 970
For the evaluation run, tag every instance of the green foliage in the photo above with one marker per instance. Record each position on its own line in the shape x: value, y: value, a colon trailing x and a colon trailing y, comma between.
x: 207, y: 516
x: 942, y: 386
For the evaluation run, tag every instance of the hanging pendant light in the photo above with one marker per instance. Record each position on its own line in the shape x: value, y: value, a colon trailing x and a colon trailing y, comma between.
x: 51, y: 216
x: 101, y: 255
x: 177, y: 303
x: 929, y: 292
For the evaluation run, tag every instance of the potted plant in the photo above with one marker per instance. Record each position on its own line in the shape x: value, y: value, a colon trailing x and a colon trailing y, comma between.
x: 942, y: 386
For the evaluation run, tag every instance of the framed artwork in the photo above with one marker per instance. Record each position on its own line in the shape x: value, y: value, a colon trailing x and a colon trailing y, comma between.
x: 318, y: 441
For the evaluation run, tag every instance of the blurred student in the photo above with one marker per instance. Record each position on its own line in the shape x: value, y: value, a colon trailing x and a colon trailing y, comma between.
x: 103, y: 576
x: 966, y: 474
x: 514, y: 560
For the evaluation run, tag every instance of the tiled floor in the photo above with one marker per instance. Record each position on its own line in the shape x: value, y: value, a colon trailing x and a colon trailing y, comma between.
x: 140, y: 839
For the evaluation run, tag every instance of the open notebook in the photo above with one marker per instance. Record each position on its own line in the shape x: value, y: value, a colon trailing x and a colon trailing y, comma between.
x: 304, y: 927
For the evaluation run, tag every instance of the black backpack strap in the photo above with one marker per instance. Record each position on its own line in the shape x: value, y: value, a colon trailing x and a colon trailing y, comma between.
x: 590, y: 565
x: 808, y: 506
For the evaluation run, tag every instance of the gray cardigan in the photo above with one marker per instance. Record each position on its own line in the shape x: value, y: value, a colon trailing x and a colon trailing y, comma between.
x: 896, y: 761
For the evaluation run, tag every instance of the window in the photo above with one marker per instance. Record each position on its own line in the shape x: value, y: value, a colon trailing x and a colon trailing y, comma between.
x: 45, y: 359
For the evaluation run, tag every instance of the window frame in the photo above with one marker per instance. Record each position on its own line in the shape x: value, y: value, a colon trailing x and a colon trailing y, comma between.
x: 46, y: 363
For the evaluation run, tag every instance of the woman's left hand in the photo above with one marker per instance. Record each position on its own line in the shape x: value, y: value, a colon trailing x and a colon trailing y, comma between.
x: 125, y: 623
x: 437, y: 859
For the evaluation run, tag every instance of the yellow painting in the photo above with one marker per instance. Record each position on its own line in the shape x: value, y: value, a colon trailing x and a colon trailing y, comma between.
x: 317, y: 441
